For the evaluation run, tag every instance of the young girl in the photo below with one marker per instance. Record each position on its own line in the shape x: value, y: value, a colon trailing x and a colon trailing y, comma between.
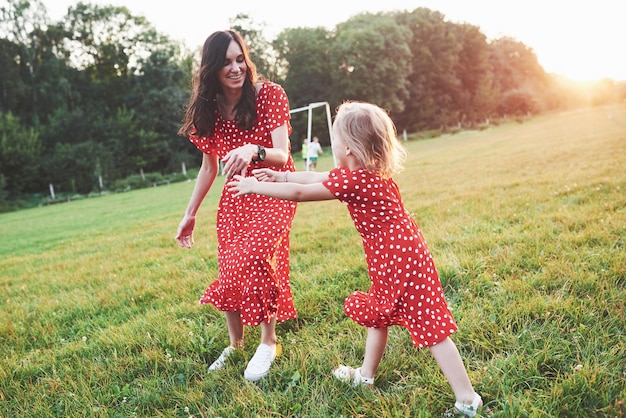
x: 405, y: 288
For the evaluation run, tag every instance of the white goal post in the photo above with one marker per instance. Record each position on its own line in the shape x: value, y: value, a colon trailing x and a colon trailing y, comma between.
x: 309, y: 110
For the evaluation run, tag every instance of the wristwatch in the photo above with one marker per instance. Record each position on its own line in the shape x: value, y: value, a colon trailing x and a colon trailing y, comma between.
x: 260, y: 154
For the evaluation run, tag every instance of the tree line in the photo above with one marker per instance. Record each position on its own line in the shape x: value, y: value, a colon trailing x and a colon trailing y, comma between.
x: 94, y: 101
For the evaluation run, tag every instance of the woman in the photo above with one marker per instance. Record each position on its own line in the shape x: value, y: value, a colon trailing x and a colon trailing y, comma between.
x: 236, y: 117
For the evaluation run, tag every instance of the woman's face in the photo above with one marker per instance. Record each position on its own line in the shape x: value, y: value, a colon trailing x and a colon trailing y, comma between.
x: 233, y: 73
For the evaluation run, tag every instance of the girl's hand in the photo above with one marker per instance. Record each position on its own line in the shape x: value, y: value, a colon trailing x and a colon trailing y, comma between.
x: 242, y: 185
x: 185, y: 231
x: 267, y: 174
x: 238, y: 160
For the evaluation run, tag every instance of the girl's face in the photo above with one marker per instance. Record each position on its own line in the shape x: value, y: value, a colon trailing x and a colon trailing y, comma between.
x: 233, y: 73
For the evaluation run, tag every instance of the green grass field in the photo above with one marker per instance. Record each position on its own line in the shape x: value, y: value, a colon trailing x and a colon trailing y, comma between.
x: 526, y: 222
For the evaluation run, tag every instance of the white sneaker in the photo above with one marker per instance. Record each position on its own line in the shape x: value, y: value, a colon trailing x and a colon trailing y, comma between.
x: 259, y: 365
x: 221, y: 360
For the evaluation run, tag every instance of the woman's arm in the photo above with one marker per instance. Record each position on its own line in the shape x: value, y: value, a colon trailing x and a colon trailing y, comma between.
x: 278, y: 155
x: 238, y: 160
x: 206, y: 176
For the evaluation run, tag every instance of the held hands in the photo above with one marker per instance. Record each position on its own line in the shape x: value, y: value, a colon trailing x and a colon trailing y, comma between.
x: 245, y: 185
x: 267, y: 174
x: 238, y: 160
x: 242, y: 185
x: 185, y: 231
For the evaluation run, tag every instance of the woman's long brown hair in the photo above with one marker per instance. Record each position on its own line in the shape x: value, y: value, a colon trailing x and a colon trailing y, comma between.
x: 200, y: 112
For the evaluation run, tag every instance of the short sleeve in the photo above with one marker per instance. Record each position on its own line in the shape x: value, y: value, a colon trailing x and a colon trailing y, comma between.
x: 339, y: 183
x: 275, y: 106
x: 205, y: 144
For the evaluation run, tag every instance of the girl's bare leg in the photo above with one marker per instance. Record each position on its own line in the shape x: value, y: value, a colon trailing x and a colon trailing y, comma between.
x: 374, y: 349
x: 449, y: 360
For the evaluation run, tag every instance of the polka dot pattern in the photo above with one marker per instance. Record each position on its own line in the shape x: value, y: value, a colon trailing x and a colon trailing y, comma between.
x: 252, y: 230
x: 404, y: 284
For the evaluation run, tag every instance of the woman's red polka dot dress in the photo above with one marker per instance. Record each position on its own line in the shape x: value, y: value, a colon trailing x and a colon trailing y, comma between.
x: 405, y: 288
x: 252, y: 230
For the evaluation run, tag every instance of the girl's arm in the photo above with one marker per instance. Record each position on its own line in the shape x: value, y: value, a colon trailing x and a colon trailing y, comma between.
x: 296, y: 192
x: 302, y: 177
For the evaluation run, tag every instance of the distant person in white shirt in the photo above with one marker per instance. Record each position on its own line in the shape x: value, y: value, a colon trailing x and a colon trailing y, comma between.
x: 313, y: 151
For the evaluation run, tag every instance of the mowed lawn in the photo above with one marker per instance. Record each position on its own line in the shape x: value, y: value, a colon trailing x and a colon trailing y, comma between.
x: 526, y: 223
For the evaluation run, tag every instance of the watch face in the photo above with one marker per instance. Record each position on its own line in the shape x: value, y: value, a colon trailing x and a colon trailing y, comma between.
x: 261, y: 153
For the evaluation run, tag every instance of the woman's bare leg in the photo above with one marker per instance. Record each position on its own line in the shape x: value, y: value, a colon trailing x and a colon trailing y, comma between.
x: 235, y: 328
x: 268, y: 332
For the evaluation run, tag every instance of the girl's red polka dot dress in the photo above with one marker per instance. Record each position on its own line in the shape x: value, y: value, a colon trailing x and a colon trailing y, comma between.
x: 405, y: 288
x: 252, y: 230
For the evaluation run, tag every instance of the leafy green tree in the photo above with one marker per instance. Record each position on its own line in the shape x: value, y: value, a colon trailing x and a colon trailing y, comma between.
x: 157, y: 94
x: 69, y: 168
x: 434, y: 85
x: 105, y: 43
x: 370, y: 60
x: 13, y: 90
x: 517, y: 102
x: 5, y: 203
x: 35, y: 79
x: 476, y: 97
x: 20, y: 151
x: 304, y: 54
x: 74, y: 143
x: 115, y: 148
x: 519, y: 77
x: 23, y: 25
x: 131, y: 85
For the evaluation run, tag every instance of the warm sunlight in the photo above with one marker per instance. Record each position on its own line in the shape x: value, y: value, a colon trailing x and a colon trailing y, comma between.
x: 581, y: 40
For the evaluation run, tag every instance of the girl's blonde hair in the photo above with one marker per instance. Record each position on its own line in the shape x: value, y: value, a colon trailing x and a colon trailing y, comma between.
x: 370, y: 134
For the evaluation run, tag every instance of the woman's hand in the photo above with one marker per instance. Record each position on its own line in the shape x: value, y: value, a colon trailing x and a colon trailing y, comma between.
x: 241, y: 185
x: 267, y: 174
x: 185, y: 231
x: 238, y: 160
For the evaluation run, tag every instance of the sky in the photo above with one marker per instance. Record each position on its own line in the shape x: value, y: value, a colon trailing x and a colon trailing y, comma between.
x: 580, y: 39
